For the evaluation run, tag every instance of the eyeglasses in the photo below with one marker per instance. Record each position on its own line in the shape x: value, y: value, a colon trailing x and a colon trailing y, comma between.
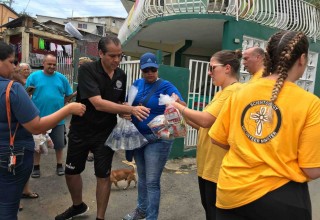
x: 211, y: 68
x: 148, y: 69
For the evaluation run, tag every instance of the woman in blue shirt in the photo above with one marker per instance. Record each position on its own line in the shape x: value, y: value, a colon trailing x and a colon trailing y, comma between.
x: 25, y: 121
x: 151, y: 158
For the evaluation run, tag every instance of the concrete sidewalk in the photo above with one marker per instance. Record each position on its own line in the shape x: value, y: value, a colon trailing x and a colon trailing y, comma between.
x: 179, y: 199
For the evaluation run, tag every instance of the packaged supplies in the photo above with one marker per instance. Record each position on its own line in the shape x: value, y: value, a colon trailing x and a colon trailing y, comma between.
x: 125, y: 136
x: 169, y: 125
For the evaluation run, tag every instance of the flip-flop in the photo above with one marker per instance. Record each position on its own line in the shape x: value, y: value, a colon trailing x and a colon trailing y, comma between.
x: 20, y: 208
x: 32, y: 195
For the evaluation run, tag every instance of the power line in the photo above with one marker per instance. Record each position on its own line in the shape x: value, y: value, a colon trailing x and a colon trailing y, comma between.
x: 26, y: 7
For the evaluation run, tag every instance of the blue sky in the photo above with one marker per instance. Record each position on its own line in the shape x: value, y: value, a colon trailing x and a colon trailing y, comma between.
x: 68, y: 8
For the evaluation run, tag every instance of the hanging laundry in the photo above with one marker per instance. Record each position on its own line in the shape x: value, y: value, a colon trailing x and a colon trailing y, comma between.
x: 35, y: 43
x: 41, y: 44
x: 64, y: 50
x: 59, y: 47
x: 53, y: 47
x: 68, y: 48
x: 59, y: 50
x: 47, y: 45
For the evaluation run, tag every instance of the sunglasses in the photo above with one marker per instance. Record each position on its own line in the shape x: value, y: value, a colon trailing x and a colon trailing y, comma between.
x: 148, y: 69
x: 211, y: 68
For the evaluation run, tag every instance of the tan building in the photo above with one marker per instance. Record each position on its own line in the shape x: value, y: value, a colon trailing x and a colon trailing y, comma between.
x: 6, y: 15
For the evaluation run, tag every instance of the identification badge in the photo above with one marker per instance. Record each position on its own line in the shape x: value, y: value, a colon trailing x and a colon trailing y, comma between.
x: 12, y: 163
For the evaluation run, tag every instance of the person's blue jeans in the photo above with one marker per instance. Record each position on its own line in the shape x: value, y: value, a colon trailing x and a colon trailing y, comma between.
x: 11, y: 186
x: 150, y: 161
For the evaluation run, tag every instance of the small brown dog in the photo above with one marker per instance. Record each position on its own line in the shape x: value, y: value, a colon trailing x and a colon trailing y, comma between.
x: 124, y: 174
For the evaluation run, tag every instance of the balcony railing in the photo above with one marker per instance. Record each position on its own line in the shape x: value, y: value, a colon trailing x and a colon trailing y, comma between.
x: 294, y: 15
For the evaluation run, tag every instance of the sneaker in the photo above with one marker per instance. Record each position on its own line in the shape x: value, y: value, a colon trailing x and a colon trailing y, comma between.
x: 35, y: 173
x: 60, y: 171
x: 72, y: 212
x: 135, y: 215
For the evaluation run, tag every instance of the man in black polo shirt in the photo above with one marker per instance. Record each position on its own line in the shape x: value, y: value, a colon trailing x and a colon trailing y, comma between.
x: 101, y: 87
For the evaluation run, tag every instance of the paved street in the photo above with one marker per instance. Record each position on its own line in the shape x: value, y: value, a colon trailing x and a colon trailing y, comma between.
x: 180, y: 195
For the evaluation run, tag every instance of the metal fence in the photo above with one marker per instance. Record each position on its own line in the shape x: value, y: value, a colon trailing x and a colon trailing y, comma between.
x: 200, y: 93
x: 132, y: 69
x: 65, y: 66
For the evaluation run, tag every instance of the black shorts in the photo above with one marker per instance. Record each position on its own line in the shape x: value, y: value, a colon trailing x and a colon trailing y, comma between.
x: 78, y: 149
x: 289, y: 202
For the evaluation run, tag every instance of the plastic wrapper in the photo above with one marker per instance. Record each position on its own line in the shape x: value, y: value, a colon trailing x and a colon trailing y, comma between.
x: 169, y: 125
x: 172, y: 115
x: 125, y: 136
x: 43, y: 142
x: 40, y: 144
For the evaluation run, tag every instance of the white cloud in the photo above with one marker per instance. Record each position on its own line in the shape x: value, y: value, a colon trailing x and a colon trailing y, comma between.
x: 67, y: 8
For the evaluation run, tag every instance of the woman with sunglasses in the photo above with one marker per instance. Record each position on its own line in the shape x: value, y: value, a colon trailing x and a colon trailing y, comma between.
x: 16, y: 159
x: 223, y: 70
x: 151, y: 158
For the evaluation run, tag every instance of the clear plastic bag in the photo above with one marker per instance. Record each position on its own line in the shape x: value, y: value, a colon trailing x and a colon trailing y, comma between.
x: 40, y: 144
x: 159, y: 127
x: 169, y: 125
x: 125, y: 136
x: 43, y: 142
x: 49, y: 140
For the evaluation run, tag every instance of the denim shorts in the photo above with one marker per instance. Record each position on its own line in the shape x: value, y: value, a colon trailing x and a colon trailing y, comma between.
x: 57, y: 136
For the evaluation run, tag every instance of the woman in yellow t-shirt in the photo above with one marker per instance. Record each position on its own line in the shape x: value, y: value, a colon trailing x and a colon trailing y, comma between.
x: 224, y: 66
x: 271, y: 128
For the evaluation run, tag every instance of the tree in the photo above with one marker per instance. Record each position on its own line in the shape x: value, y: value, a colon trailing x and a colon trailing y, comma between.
x: 314, y: 2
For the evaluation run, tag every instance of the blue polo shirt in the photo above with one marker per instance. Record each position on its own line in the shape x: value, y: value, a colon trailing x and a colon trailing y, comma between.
x: 22, y: 110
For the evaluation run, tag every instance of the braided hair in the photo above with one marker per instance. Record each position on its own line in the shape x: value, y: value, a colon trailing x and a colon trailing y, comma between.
x: 283, y: 50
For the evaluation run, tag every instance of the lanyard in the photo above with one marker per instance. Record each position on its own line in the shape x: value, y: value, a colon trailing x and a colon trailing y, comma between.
x: 9, y: 116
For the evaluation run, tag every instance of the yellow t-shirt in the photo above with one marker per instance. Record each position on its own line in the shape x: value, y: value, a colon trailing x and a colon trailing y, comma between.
x: 264, y: 156
x: 209, y: 156
x: 256, y: 76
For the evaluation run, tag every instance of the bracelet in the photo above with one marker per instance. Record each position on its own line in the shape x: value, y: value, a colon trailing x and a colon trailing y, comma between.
x: 183, y: 111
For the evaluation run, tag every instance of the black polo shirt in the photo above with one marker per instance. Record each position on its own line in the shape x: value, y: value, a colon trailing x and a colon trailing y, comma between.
x: 93, y: 81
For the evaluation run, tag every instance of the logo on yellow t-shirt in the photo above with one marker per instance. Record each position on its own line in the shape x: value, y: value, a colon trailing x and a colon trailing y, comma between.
x: 255, y: 123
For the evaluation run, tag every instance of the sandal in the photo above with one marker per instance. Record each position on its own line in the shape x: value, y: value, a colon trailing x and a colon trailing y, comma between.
x: 35, y: 173
x: 20, y: 207
x: 31, y: 195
